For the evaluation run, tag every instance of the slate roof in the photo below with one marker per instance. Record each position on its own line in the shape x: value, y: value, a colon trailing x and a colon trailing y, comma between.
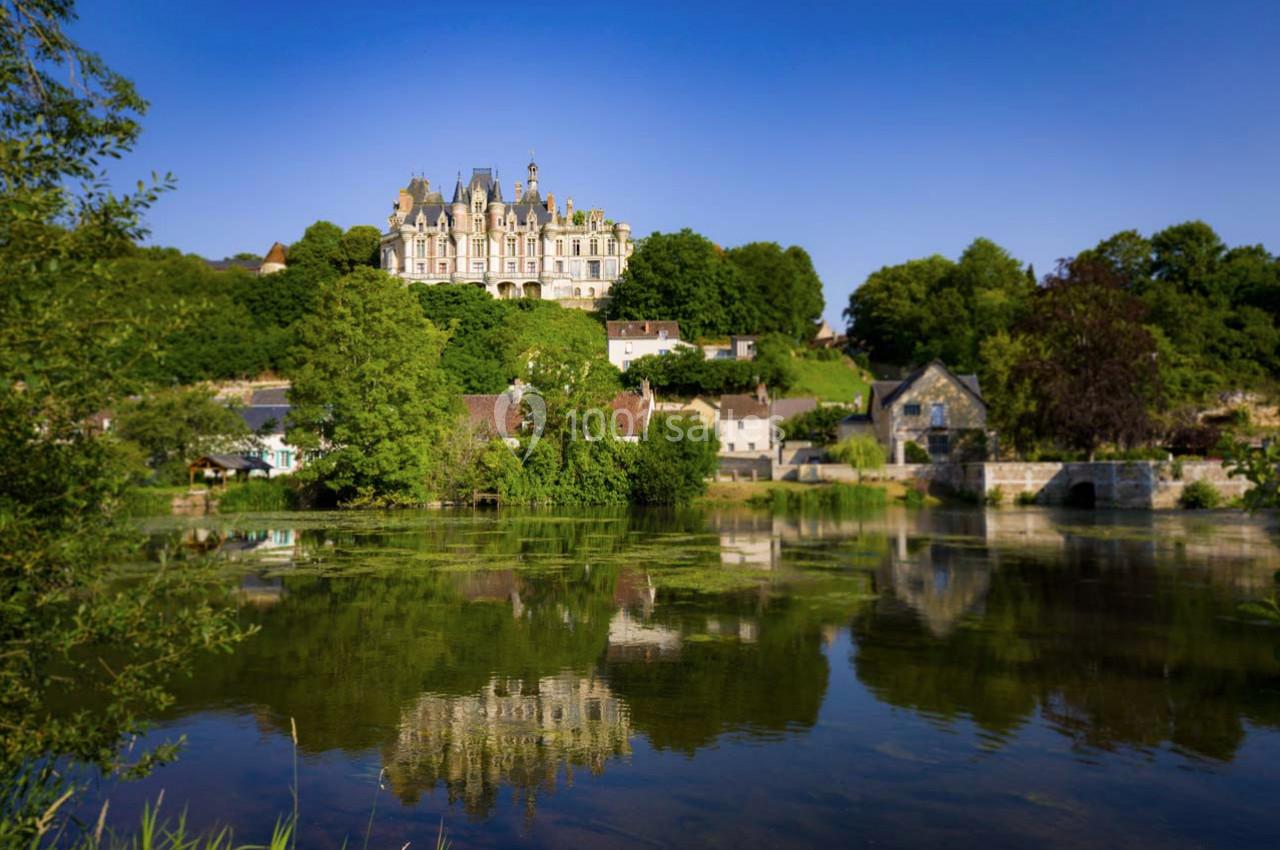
x: 260, y: 416
x: 742, y: 406
x: 223, y: 265
x: 237, y: 463
x: 642, y: 330
x: 788, y: 407
x: 886, y: 392
x: 270, y: 396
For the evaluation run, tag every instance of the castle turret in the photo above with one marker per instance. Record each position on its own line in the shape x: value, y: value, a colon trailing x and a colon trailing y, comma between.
x: 459, y: 204
x: 274, y: 261
x: 497, y: 209
x: 533, y: 176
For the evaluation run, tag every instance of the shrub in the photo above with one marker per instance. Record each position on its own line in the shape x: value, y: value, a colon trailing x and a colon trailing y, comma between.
x: 833, y: 497
x: 1200, y: 495
x: 913, y: 498
x: 1025, y: 498
x: 258, y: 495
x: 820, y: 425
x: 994, y: 497
x: 913, y: 452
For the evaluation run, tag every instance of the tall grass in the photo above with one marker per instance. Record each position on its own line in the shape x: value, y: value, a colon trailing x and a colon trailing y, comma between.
x: 833, y: 498
x: 258, y: 495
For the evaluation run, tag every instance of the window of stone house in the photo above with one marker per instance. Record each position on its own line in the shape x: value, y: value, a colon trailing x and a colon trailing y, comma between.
x: 577, y: 247
x: 595, y: 247
x: 939, y: 444
x: 911, y: 410
x: 559, y: 247
x: 938, y: 415
x: 612, y: 247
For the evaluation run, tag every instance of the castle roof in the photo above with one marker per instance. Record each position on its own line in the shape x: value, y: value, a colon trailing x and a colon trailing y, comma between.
x: 275, y: 254
x: 431, y: 204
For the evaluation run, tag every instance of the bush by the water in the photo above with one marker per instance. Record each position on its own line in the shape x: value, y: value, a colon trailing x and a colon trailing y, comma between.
x: 259, y: 495
x: 834, y: 497
x: 1200, y: 495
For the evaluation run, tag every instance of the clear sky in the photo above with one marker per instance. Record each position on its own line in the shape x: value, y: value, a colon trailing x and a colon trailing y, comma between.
x: 868, y: 134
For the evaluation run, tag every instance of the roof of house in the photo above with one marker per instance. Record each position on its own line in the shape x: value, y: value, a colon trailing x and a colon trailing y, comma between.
x: 260, y: 416
x: 886, y: 392
x: 643, y: 330
x: 482, y: 410
x: 234, y: 463
x: 632, y: 414
x: 269, y: 396
x: 742, y: 406
x: 788, y: 407
x: 275, y: 255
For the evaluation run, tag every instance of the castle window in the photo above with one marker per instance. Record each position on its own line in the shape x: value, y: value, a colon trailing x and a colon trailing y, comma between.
x: 533, y: 266
x: 511, y: 246
x: 531, y: 247
x: 577, y: 247
x: 595, y: 247
x: 559, y: 247
x: 420, y: 226
x: 477, y: 247
x: 560, y: 266
x: 511, y: 266
x: 422, y: 247
x: 422, y: 268
x: 442, y: 248
x: 593, y: 269
x: 612, y: 246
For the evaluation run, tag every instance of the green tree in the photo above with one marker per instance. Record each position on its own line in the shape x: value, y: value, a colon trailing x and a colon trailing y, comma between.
x: 685, y: 277
x: 361, y: 246
x: 781, y: 290
x: 473, y: 319
x: 320, y: 245
x: 172, y: 427
x: 674, y: 461
x: 888, y: 312
x: 862, y: 453
x: 371, y: 404
x: 72, y: 334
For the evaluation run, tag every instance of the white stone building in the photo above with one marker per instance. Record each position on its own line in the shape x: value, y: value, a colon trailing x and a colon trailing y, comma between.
x: 743, y: 425
x: 629, y: 341
x: 523, y: 248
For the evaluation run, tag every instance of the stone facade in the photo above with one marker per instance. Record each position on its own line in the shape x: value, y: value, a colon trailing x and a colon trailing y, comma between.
x: 932, y: 407
x: 526, y: 248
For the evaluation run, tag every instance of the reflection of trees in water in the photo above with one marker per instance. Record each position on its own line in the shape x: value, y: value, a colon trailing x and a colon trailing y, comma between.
x: 507, y: 734
x: 1114, y: 642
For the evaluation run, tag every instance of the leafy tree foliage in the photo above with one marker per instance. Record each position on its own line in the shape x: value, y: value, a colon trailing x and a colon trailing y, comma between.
x: 687, y: 372
x: 754, y: 289
x: 472, y: 318
x: 820, y: 425
x: 781, y: 292
x: 1090, y: 363
x: 862, y: 453
x: 173, y: 426
x: 673, y: 461
x: 370, y: 400
x: 72, y: 334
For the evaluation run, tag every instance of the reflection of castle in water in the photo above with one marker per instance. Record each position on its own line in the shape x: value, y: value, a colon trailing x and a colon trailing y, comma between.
x: 508, y: 734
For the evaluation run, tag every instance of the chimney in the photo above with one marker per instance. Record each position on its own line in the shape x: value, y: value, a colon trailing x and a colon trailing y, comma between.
x: 519, y: 191
x: 646, y: 324
x: 644, y: 389
x: 551, y: 203
x: 568, y: 209
x: 762, y: 395
x: 405, y: 202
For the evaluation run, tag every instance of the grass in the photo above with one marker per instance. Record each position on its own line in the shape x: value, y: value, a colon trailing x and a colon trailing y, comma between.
x: 258, y: 495
x: 831, y: 497
x: 828, y: 380
x: 151, y: 501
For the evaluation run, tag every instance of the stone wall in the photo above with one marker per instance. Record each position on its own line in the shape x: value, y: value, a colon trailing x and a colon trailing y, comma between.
x: 745, y: 468
x: 1109, y: 484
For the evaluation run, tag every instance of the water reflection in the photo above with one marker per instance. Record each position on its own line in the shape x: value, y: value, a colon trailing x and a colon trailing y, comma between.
x: 476, y: 653
x: 525, y: 737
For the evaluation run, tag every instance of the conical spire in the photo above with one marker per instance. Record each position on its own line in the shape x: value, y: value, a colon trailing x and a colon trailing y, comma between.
x: 495, y: 196
x: 459, y: 194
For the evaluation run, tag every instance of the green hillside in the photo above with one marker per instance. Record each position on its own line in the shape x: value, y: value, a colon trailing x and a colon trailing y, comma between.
x: 828, y: 380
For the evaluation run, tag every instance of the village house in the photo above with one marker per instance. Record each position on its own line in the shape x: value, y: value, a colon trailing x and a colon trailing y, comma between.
x: 932, y: 407
x: 629, y: 341
x: 743, y: 424
x: 738, y: 348
x: 273, y: 262
x: 265, y: 415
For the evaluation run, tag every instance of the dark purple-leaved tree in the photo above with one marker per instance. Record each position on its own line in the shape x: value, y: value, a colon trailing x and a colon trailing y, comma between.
x: 1090, y: 361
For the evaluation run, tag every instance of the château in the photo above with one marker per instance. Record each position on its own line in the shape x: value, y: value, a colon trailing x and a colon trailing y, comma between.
x: 523, y: 248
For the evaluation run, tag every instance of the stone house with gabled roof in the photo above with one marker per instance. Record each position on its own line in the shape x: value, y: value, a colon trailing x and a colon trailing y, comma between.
x: 932, y: 407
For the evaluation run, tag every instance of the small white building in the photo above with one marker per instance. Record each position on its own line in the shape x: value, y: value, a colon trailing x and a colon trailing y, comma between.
x: 629, y: 341
x: 738, y: 348
x: 743, y: 424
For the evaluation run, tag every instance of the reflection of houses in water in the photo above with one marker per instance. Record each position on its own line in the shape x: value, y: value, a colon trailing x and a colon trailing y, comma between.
x: 939, y: 584
x: 269, y: 545
x: 760, y: 550
x: 508, y: 734
x: 260, y: 592
x: 632, y: 639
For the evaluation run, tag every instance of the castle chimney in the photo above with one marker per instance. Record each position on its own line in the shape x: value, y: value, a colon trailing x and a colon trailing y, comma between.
x: 568, y: 209
x: 519, y: 191
x: 404, y: 203
x: 551, y: 202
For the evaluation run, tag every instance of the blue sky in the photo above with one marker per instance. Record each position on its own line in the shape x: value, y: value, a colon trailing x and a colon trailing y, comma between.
x: 868, y: 134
